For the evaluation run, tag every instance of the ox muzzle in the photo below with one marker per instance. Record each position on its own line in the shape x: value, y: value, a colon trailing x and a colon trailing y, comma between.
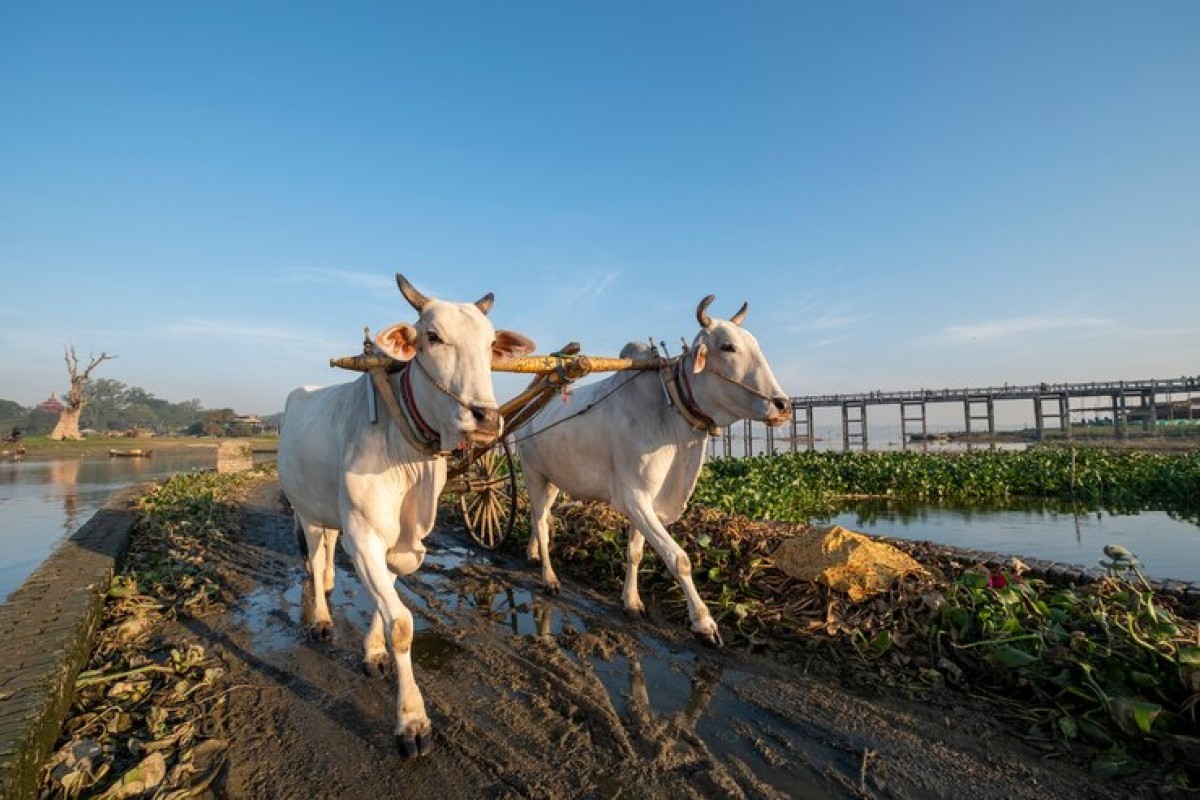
x: 489, y: 425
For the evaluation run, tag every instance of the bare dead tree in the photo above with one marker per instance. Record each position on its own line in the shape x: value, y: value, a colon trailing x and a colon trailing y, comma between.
x: 68, y: 419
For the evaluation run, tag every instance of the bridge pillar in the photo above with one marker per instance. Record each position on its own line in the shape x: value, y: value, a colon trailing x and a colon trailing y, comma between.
x: 1039, y: 418
x: 905, y: 419
x: 988, y: 415
x: 807, y: 422
x: 849, y: 434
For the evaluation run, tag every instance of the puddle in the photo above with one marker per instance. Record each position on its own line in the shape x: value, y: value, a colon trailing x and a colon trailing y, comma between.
x: 676, y: 697
x: 271, y: 617
x: 683, y: 692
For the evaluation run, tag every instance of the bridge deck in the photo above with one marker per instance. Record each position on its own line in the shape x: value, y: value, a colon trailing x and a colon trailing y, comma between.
x: 1032, y: 392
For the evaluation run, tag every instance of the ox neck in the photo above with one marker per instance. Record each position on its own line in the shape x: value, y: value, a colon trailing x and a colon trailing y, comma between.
x: 402, y: 407
x: 679, y: 391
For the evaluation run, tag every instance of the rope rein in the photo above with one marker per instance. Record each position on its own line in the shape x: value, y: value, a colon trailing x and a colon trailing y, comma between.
x: 580, y: 413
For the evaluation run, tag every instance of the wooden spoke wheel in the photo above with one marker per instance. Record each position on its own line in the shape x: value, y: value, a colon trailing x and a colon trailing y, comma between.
x: 489, y: 498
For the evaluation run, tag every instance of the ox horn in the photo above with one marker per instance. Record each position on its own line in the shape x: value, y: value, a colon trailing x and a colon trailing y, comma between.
x: 484, y: 304
x: 737, y: 318
x: 415, y: 298
x: 702, y: 312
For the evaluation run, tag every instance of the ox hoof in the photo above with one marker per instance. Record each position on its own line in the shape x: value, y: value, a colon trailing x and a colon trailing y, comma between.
x: 711, y: 638
x: 413, y: 745
x: 637, y: 612
x: 378, y: 666
x: 553, y: 589
x: 321, y: 631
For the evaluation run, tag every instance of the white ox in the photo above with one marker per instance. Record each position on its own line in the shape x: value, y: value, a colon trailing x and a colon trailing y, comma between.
x: 378, y: 483
x: 633, y: 450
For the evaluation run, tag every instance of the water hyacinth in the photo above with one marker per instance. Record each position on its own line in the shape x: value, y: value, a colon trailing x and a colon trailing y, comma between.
x: 795, y: 487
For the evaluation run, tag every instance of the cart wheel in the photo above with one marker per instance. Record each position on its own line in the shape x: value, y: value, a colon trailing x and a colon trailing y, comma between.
x: 489, y: 500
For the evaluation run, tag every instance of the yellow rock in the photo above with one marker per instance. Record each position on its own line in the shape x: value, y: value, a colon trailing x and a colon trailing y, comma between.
x: 845, y: 561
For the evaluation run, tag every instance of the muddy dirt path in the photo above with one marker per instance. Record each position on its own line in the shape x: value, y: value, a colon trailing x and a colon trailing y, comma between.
x: 562, y: 697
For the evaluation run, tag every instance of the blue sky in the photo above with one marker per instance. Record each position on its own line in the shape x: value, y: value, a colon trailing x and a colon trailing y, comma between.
x: 925, y: 194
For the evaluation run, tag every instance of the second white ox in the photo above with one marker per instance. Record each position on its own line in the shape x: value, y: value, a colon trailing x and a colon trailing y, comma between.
x: 633, y: 449
x: 378, y: 482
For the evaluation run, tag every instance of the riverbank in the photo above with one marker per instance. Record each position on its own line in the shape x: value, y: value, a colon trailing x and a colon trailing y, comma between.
x: 205, y: 627
x: 1179, y: 439
x: 41, y: 447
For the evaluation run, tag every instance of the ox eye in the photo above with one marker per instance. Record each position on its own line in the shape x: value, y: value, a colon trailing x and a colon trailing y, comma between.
x: 433, y: 337
x: 728, y: 347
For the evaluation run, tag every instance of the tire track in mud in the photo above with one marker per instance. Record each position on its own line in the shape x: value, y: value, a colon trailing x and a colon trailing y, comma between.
x: 533, y: 696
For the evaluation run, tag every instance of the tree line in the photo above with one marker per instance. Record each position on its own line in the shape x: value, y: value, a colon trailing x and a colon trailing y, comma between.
x: 112, y: 406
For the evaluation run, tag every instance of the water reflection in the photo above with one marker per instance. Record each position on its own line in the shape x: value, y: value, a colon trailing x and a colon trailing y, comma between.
x: 1166, y: 542
x: 42, y: 501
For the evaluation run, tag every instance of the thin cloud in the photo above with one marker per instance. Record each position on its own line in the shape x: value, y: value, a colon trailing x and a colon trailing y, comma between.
x: 1016, y: 326
x: 371, y: 281
x: 225, y: 329
x: 834, y: 319
x: 589, y: 287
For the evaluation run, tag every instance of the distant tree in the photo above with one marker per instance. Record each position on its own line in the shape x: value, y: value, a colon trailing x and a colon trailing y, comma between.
x: 106, y: 402
x: 38, y: 422
x: 12, y: 415
x: 214, y: 422
x: 68, y: 419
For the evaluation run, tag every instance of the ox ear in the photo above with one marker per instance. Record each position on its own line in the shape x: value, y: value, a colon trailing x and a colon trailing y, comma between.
x: 399, y: 341
x: 510, y: 344
x: 701, y: 359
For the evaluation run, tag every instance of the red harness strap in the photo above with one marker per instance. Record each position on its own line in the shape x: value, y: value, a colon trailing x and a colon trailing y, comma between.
x: 679, y: 389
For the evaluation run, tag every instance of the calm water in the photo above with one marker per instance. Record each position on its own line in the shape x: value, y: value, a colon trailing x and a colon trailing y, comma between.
x: 43, y: 502
x: 1168, y: 547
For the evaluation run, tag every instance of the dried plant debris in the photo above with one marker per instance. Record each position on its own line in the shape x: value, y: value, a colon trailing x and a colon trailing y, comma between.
x: 1110, y: 669
x: 138, y: 725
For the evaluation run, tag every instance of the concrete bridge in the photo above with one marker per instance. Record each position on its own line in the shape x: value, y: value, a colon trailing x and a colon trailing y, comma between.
x: 1138, y: 401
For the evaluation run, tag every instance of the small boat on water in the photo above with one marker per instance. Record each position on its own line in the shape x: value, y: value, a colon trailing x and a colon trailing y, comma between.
x: 135, y: 453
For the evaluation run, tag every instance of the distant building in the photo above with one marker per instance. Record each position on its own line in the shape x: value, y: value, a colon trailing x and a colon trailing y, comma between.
x: 51, y: 405
x: 248, y: 425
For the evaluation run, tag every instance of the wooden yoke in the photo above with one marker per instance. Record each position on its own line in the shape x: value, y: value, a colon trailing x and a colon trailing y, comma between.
x: 552, y: 373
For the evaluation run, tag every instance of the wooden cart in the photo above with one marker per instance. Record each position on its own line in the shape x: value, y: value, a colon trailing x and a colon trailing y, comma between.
x: 485, y: 479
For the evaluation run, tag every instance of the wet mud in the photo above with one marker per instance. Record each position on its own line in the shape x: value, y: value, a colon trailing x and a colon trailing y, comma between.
x: 536, y: 696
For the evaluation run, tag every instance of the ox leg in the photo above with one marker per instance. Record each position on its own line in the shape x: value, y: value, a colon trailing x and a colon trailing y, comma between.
x: 413, y: 729
x: 629, y: 595
x: 641, y: 513
x: 542, y: 494
x: 331, y: 537
x: 320, y: 543
x: 376, y: 662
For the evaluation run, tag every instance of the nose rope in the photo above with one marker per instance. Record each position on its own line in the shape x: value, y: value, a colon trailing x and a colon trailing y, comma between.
x: 467, y: 404
x: 769, y: 398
